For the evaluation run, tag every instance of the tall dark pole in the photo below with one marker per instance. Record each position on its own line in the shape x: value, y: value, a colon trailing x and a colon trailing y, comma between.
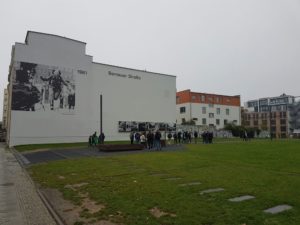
x: 101, y: 128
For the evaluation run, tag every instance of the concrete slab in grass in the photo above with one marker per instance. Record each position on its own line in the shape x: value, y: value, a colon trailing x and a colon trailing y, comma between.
x: 278, y: 209
x: 212, y: 190
x: 189, y: 184
x: 241, y: 198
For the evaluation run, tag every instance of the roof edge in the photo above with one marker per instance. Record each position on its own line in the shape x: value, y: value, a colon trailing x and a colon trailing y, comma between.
x: 54, y: 35
x: 188, y: 90
x: 122, y: 67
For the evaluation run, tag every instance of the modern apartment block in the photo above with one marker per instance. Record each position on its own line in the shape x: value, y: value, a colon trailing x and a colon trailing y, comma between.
x: 269, y: 114
x: 207, y: 110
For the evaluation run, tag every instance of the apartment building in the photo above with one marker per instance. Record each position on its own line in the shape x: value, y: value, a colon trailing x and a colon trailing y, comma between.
x: 207, y: 110
x: 270, y: 114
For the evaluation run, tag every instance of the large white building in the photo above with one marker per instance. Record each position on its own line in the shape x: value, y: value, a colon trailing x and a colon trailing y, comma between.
x: 207, y: 110
x: 5, y: 109
x: 54, y: 94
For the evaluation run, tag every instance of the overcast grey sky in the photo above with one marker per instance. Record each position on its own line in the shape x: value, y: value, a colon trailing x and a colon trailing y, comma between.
x: 233, y: 47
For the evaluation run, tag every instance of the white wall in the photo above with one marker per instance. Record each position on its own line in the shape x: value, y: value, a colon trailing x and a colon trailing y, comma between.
x: 186, y: 115
x: 150, y: 99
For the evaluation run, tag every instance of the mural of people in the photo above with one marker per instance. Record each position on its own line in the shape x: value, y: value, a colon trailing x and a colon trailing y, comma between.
x: 25, y: 94
x: 39, y: 87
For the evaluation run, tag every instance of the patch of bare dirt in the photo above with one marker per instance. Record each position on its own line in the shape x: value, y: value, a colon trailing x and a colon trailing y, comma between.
x: 157, y: 213
x: 69, y: 212
x: 91, y: 205
x: 76, y: 186
x: 61, y: 177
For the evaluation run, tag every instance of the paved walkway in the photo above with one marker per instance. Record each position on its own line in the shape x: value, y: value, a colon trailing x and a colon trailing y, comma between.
x: 58, y: 154
x: 19, y: 200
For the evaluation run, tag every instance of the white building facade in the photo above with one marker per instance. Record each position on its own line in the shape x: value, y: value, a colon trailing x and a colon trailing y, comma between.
x: 207, y: 110
x: 5, y: 109
x: 54, y: 94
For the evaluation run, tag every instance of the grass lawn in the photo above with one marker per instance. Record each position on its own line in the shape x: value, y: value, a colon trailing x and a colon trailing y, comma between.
x: 125, y: 184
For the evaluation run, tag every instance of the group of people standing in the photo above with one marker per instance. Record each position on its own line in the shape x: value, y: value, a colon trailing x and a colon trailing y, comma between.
x: 149, y: 140
x: 185, y: 137
x: 94, y: 140
x: 181, y: 137
x: 207, y: 137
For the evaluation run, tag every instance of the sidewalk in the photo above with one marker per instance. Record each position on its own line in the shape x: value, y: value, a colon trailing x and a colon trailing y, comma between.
x: 19, y: 201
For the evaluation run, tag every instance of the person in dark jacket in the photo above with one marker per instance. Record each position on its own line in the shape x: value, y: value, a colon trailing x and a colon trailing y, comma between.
x: 101, y: 138
x: 179, y: 136
x: 175, y: 137
x: 195, y: 136
x: 131, y: 136
x: 150, y: 139
x: 157, y: 138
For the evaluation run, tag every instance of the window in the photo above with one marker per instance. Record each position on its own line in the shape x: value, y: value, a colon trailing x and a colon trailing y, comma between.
x: 203, y: 121
x: 183, y: 120
x: 211, y: 105
x: 182, y: 109
x: 203, y: 110
x: 263, y: 102
x: 217, y: 99
x: 282, y: 121
x: 177, y: 99
x: 234, y: 122
x: 264, y: 108
x: 255, y: 122
x: 252, y: 104
x: 283, y: 129
x: 210, y: 99
x: 225, y: 122
x: 218, y: 111
x: 227, y: 111
x: 247, y: 123
x: 195, y: 119
x: 203, y: 98
x: 282, y: 114
x: 218, y: 121
x: 211, y: 115
x: 193, y: 97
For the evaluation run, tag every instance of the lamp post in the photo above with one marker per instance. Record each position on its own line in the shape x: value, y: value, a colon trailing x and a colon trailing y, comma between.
x: 101, y: 128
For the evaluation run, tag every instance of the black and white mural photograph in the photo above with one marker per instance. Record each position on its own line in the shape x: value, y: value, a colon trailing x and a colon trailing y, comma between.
x: 132, y: 126
x: 124, y: 126
x: 39, y: 87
